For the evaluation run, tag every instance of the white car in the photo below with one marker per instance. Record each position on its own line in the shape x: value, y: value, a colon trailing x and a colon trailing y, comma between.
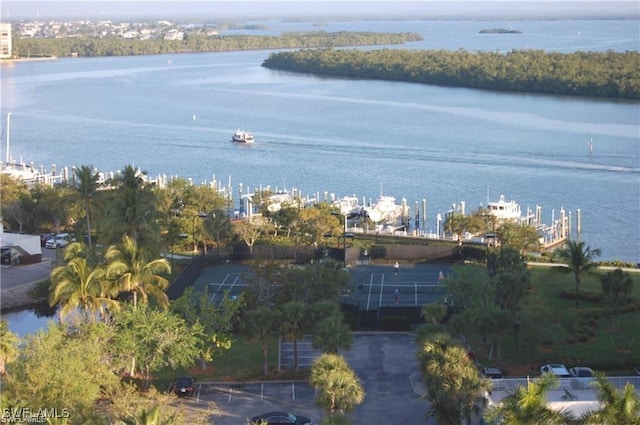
x: 557, y: 369
x: 58, y: 241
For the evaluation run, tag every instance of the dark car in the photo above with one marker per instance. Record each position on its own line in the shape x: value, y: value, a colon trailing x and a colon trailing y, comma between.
x: 281, y: 418
x: 44, y: 237
x: 183, y: 386
x: 637, y: 370
x: 491, y: 372
x: 6, y: 256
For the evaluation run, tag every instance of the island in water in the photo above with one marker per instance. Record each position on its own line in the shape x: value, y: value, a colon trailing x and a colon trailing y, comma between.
x: 500, y: 31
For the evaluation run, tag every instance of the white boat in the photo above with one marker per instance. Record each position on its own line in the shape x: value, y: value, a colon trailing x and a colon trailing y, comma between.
x: 504, y: 210
x: 241, y: 136
x: 384, y: 210
x: 349, y: 206
x: 18, y: 171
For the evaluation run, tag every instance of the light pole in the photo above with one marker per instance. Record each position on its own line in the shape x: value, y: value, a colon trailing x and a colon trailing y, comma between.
x: 178, y: 236
x: 193, y: 231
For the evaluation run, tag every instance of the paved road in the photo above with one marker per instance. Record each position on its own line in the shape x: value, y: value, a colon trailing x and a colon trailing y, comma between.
x: 16, y: 281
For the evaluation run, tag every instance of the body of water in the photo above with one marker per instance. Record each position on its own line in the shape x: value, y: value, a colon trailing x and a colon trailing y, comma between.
x: 175, y: 114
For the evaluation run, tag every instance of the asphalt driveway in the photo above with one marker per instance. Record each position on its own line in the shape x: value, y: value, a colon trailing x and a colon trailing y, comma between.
x: 386, y: 364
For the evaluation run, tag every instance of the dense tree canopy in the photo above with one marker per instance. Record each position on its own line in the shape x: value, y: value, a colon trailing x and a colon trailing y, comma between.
x: 597, y: 74
x: 117, y: 46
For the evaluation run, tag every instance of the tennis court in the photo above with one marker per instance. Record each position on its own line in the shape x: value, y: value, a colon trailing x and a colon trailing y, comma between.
x: 371, y: 286
x: 375, y: 286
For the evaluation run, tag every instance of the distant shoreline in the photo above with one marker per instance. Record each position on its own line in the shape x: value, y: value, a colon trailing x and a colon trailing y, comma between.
x: 11, y: 60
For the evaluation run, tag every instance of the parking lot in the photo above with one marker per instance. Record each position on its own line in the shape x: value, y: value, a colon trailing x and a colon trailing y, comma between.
x: 385, y: 363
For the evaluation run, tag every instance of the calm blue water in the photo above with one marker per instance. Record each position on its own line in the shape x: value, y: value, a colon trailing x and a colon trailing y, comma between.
x: 346, y: 137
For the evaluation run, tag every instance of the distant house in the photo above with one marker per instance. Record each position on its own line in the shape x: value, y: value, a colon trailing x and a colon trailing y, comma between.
x: 5, y: 40
x: 174, y: 34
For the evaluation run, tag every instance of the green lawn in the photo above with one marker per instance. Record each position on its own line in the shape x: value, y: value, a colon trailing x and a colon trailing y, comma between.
x: 241, y: 363
x: 612, y: 343
x: 614, y: 347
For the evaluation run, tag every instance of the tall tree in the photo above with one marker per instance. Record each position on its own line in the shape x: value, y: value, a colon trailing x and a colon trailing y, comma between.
x: 217, y: 319
x: 129, y: 264
x: 8, y: 345
x: 292, y: 325
x: 338, y: 389
x: 454, y: 385
x: 580, y: 259
x: 64, y: 368
x: 617, y: 285
x: 156, y: 339
x: 76, y: 285
x: 332, y: 334
x: 617, y: 407
x: 87, y: 186
x: 218, y: 225
x: 131, y: 209
x: 527, y: 405
x: 262, y: 324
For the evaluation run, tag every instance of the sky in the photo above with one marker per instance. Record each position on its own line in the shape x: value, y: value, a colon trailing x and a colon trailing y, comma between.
x: 251, y: 9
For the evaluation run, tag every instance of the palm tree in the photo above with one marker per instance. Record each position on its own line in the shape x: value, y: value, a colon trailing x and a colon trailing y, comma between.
x: 8, y: 345
x: 580, y: 259
x: 338, y: 388
x: 454, y: 385
x: 618, y: 407
x: 87, y: 186
x: 132, y: 209
x: 149, y: 416
x: 331, y: 334
x: 218, y: 225
x: 77, y: 286
x: 293, y: 316
x: 128, y: 263
x: 262, y: 324
x: 528, y: 405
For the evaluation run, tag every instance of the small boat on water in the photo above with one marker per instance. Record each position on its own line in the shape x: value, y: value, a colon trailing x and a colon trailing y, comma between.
x: 241, y: 136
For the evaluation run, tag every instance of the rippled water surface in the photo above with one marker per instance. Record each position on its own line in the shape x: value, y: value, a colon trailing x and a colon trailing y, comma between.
x: 444, y: 145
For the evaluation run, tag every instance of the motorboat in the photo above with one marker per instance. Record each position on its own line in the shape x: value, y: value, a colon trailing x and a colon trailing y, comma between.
x: 349, y: 206
x: 241, y: 136
x: 504, y: 210
x: 384, y: 210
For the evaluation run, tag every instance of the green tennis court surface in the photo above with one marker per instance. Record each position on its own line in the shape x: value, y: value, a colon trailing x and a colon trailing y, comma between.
x: 371, y: 286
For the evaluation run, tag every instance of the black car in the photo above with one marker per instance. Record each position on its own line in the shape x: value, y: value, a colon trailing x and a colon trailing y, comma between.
x: 280, y: 418
x: 6, y: 256
x: 183, y: 386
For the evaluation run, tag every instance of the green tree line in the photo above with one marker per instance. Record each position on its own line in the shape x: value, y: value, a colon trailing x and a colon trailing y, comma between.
x: 197, y: 43
x: 596, y: 74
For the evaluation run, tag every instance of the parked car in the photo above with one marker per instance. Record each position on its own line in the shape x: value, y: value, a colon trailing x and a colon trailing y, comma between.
x: 636, y: 371
x: 281, y: 418
x: 6, y: 256
x: 491, y: 372
x: 183, y: 386
x: 58, y: 241
x: 581, y: 372
x: 44, y: 237
x: 557, y: 369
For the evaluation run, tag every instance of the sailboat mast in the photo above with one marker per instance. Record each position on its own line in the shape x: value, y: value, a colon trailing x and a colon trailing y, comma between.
x: 8, y: 132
